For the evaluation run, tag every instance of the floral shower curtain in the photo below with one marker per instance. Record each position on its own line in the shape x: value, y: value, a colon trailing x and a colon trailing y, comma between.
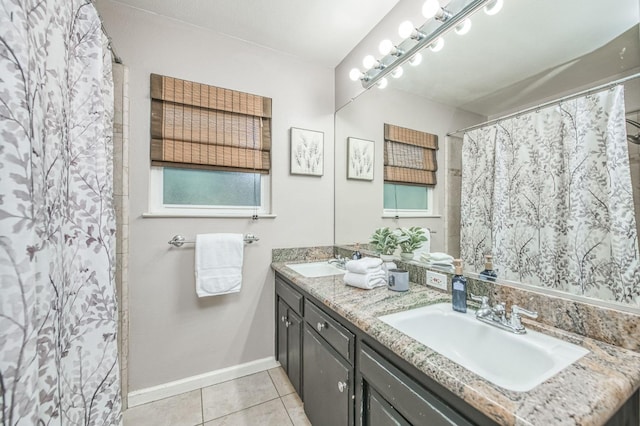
x: 58, y: 317
x: 548, y: 194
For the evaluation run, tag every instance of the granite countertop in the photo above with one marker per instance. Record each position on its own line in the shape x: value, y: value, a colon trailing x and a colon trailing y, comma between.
x: 588, y: 392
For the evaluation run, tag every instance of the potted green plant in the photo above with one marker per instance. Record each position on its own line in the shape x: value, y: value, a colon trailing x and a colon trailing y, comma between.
x: 411, y: 239
x: 385, y: 241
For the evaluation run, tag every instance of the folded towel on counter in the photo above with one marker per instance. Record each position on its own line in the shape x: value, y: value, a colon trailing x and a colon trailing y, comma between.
x: 443, y: 266
x: 436, y: 257
x: 218, y: 265
x: 364, y: 265
x: 365, y: 281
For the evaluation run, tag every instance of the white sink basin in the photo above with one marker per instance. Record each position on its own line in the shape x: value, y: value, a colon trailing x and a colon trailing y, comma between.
x: 515, y: 362
x: 316, y: 269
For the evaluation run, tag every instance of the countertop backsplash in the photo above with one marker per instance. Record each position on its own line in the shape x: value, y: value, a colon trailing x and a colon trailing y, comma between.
x: 609, y: 325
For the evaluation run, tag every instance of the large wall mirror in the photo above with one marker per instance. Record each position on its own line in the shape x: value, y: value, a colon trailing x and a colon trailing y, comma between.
x: 532, y: 52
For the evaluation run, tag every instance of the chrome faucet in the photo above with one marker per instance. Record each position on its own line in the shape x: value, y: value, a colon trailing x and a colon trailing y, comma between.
x: 497, y: 316
x: 339, y: 261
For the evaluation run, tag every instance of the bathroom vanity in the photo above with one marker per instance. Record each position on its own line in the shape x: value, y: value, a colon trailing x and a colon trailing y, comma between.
x: 350, y: 368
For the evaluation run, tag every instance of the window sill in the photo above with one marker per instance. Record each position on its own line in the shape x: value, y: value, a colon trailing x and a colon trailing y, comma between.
x: 204, y: 215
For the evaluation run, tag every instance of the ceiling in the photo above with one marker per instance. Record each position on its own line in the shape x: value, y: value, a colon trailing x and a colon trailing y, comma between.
x: 531, y: 50
x: 320, y: 31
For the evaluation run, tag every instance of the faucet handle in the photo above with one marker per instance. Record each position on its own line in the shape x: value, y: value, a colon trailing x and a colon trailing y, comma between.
x: 517, y: 310
x: 484, y: 300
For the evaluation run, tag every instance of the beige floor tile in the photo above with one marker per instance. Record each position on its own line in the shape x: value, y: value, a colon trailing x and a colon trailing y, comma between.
x: 235, y: 395
x: 270, y: 413
x: 180, y: 410
x: 280, y: 379
x: 295, y: 409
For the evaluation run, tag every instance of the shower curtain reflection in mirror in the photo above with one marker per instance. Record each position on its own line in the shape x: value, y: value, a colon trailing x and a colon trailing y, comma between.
x: 549, y: 194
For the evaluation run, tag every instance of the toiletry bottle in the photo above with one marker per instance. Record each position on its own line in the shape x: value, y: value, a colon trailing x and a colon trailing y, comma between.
x: 356, y: 254
x: 459, y: 288
x: 488, y: 273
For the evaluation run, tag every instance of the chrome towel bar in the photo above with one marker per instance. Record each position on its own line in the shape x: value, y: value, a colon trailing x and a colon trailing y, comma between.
x: 179, y: 240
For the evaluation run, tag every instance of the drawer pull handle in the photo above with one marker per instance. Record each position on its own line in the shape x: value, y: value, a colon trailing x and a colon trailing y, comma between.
x: 342, y: 386
x: 321, y: 325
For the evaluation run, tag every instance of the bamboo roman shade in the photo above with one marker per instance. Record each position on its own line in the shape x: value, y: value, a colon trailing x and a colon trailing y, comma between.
x: 199, y: 126
x: 409, y: 156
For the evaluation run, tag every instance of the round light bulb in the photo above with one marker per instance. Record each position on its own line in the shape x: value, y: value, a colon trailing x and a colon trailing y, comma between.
x: 493, y: 7
x: 355, y: 74
x: 397, y: 73
x: 406, y: 29
x: 430, y: 8
x: 369, y: 61
x: 385, y: 47
x: 382, y: 83
x: 463, y: 27
x: 437, y: 45
x: 416, y: 59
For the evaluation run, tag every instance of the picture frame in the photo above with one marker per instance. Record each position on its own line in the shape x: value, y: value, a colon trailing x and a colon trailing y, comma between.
x: 360, y: 159
x: 307, y: 152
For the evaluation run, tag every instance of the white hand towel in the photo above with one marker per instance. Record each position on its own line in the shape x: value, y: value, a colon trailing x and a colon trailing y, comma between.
x: 364, y: 265
x: 218, y: 265
x: 365, y: 281
x: 425, y: 247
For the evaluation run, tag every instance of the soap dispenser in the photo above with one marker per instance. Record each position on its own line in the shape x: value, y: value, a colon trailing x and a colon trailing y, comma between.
x: 488, y: 273
x: 356, y: 254
x: 459, y: 288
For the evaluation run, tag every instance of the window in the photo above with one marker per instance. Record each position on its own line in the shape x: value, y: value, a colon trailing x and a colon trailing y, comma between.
x: 407, y: 200
x: 210, y: 149
x: 410, y: 166
x: 193, y: 192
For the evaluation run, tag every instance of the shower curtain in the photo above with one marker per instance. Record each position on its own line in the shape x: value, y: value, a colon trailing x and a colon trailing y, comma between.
x: 549, y: 195
x: 58, y: 316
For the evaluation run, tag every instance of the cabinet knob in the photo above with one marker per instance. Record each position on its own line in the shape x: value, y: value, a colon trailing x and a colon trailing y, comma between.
x: 283, y: 319
x: 321, y: 325
x: 287, y: 324
x: 342, y: 386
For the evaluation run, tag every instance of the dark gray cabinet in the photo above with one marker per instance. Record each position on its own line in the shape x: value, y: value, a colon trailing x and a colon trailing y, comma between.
x: 289, y: 333
x: 289, y: 344
x: 379, y: 412
x: 328, y: 353
x: 402, y: 400
x: 327, y: 382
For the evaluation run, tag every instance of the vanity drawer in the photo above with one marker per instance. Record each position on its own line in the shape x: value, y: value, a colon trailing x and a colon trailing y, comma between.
x: 336, y: 335
x: 290, y: 296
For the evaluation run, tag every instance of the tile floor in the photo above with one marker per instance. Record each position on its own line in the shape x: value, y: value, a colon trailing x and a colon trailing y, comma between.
x: 266, y: 398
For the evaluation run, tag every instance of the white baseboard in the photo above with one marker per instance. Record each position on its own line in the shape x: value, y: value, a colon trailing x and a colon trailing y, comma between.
x: 167, y: 390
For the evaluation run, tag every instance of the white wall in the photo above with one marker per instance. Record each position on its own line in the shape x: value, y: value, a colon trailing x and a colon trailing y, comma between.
x: 359, y: 204
x: 173, y: 334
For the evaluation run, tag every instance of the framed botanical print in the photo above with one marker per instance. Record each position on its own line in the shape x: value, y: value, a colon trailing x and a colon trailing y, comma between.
x: 360, y: 159
x: 307, y: 152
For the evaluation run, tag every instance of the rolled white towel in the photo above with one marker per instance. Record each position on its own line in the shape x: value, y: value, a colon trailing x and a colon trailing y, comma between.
x: 365, y: 281
x: 436, y: 257
x: 364, y: 265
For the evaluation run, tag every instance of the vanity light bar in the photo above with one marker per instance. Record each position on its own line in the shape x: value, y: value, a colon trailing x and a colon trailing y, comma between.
x: 390, y: 61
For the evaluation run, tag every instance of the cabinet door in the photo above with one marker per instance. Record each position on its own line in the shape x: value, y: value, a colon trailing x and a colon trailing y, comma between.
x: 326, y: 385
x: 282, y: 334
x: 380, y: 413
x: 294, y: 355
